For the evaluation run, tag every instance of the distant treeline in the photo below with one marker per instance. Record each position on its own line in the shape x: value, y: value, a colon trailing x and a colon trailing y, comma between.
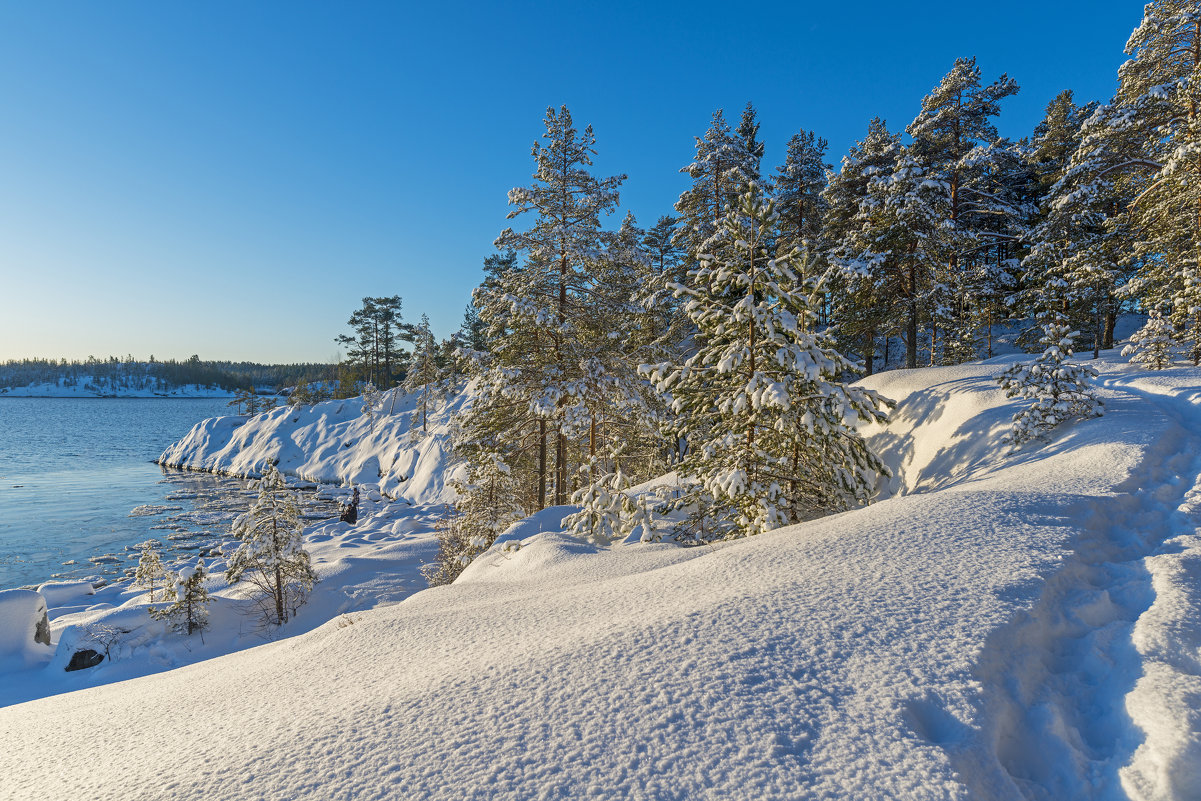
x: 129, y: 373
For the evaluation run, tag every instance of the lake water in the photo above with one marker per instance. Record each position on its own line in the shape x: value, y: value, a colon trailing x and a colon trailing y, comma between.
x: 72, y: 470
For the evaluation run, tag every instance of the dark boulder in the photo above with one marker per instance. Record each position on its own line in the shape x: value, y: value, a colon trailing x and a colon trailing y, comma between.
x: 84, y: 659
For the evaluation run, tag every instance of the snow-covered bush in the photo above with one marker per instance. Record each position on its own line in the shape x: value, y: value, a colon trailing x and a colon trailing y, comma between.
x: 104, y: 637
x: 188, y: 611
x: 150, y: 568
x: 271, y: 556
x: 1059, y: 389
x: 1151, y: 346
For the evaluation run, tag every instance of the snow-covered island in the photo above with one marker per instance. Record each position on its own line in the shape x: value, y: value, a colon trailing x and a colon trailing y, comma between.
x: 91, y: 388
x: 999, y: 624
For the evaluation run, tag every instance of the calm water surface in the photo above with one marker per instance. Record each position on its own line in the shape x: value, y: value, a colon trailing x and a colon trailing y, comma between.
x: 73, y: 469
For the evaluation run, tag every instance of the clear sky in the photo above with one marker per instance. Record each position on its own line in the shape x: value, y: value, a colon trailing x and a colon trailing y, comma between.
x: 231, y: 178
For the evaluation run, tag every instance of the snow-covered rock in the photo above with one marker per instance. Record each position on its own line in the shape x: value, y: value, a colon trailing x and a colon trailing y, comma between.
x: 24, y: 628
x: 61, y: 593
x: 331, y: 442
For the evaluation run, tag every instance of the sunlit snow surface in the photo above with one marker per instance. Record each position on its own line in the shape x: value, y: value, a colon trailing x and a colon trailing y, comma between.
x: 1003, y: 626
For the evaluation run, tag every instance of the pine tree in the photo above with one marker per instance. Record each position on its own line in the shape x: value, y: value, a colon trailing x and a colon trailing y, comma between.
x: 150, y: 567
x: 955, y: 142
x: 246, y: 401
x: 272, y: 556
x: 372, y: 400
x: 1160, y: 111
x: 872, y: 289
x: 373, y: 352
x: 188, y: 611
x: 485, y: 507
x: 1080, y: 259
x: 663, y: 327
x: 1059, y: 389
x: 799, y: 183
x: 605, y: 506
x: 721, y: 171
x: 771, y: 428
x: 1151, y: 346
x: 535, y: 382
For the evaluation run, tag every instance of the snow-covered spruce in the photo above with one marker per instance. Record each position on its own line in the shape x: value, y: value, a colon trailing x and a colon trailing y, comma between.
x: 188, y: 611
x: 271, y: 556
x: 1151, y: 346
x: 1059, y: 389
x: 770, y: 424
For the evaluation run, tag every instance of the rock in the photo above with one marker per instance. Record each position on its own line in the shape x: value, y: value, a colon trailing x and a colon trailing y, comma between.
x: 84, y: 659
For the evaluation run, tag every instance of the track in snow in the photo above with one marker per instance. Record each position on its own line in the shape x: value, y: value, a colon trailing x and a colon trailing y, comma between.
x: 1055, y: 679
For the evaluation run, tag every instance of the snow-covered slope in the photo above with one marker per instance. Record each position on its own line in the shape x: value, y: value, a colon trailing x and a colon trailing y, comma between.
x: 1001, y: 627
x: 330, y: 442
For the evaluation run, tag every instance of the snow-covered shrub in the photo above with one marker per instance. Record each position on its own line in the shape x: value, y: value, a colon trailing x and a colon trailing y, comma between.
x: 1151, y: 346
x: 271, y: 556
x: 1059, y: 389
x: 188, y: 611
x: 150, y: 568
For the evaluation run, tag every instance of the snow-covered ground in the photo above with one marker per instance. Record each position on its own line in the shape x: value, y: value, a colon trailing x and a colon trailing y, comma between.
x: 90, y: 388
x: 1002, y: 626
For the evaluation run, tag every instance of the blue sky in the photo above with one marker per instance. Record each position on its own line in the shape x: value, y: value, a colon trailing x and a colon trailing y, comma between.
x: 231, y: 178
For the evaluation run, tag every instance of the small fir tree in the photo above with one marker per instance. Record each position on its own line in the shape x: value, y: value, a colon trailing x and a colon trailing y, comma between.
x: 372, y: 403
x: 271, y: 555
x: 1059, y: 389
x: 188, y: 611
x: 1151, y: 346
x: 150, y: 567
x: 422, y: 375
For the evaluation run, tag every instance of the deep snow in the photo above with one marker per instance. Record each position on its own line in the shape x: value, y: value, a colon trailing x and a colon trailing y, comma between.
x: 1002, y: 626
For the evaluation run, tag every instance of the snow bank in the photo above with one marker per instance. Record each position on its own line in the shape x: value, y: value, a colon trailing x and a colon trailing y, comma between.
x: 1001, y: 626
x: 331, y: 442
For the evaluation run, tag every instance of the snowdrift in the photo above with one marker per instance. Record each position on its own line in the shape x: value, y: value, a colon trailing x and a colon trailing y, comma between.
x: 1000, y: 626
